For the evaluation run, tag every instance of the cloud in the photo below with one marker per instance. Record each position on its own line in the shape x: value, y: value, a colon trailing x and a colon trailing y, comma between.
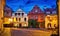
x: 27, y: 4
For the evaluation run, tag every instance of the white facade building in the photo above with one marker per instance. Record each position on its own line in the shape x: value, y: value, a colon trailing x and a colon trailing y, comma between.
x: 20, y: 18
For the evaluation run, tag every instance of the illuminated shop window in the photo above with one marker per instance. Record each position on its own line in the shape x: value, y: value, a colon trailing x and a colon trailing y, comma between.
x: 16, y: 19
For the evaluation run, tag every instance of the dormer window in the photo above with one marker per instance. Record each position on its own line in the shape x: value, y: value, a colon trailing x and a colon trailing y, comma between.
x: 54, y: 12
x: 36, y: 10
x: 47, y: 12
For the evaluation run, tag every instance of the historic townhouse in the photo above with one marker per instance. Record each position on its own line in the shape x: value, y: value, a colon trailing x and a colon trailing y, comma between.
x: 37, y: 14
x: 20, y: 18
x: 7, y: 15
x: 51, y: 19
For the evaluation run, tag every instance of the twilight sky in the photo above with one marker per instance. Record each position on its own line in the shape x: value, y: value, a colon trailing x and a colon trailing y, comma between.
x: 27, y: 5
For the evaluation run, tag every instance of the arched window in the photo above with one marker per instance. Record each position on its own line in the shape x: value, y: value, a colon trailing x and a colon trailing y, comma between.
x: 22, y: 14
x: 24, y: 19
x: 49, y: 25
x: 18, y: 13
x: 16, y: 19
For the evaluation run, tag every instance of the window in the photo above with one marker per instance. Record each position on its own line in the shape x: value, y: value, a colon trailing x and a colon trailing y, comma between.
x: 22, y: 14
x: 18, y: 13
x: 16, y: 19
x: 19, y: 19
x: 24, y: 19
x: 47, y: 12
x: 42, y: 16
x: 48, y: 18
x: 6, y: 13
x: 15, y: 14
x: 36, y: 10
x: 36, y: 17
x: 54, y: 12
x: 32, y: 17
x: 50, y: 12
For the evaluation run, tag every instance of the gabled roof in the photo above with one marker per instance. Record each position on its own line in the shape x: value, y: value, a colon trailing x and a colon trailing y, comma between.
x: 34, y: 9
x: 20, y: 10
x: 6, y: 7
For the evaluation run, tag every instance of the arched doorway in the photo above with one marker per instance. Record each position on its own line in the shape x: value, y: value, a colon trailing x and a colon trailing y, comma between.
x: 20, y: 25
x: 49, y: 25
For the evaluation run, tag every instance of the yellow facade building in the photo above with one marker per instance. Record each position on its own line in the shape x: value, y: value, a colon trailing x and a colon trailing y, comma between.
x: 7, y: 20
x: 51, y: 21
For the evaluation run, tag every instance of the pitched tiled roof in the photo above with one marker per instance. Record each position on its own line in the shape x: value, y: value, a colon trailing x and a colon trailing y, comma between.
x: 39, y: 11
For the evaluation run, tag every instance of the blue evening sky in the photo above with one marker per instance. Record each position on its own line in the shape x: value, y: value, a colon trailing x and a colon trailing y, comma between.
x: 27, y: 5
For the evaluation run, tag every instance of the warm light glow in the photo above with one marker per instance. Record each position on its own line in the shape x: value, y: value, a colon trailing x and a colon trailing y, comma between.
x: 16, y: 25
x: 24, y: 24
x: 48, y: 15
x: 51, y: 19
x: 10, y: 20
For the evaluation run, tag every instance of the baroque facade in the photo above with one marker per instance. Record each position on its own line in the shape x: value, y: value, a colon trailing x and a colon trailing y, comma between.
x: 20, y: 18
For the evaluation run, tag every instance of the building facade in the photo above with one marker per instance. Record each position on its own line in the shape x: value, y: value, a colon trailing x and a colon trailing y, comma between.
x: 20, y: 18
x: 2, y: 4
x: 7, y: 15
x: 37, y: 14
x: 51, y: 19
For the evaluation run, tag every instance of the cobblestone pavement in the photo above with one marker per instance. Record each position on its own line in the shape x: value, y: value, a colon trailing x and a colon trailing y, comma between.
x: 26, y: 32
x: 29, y: 32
